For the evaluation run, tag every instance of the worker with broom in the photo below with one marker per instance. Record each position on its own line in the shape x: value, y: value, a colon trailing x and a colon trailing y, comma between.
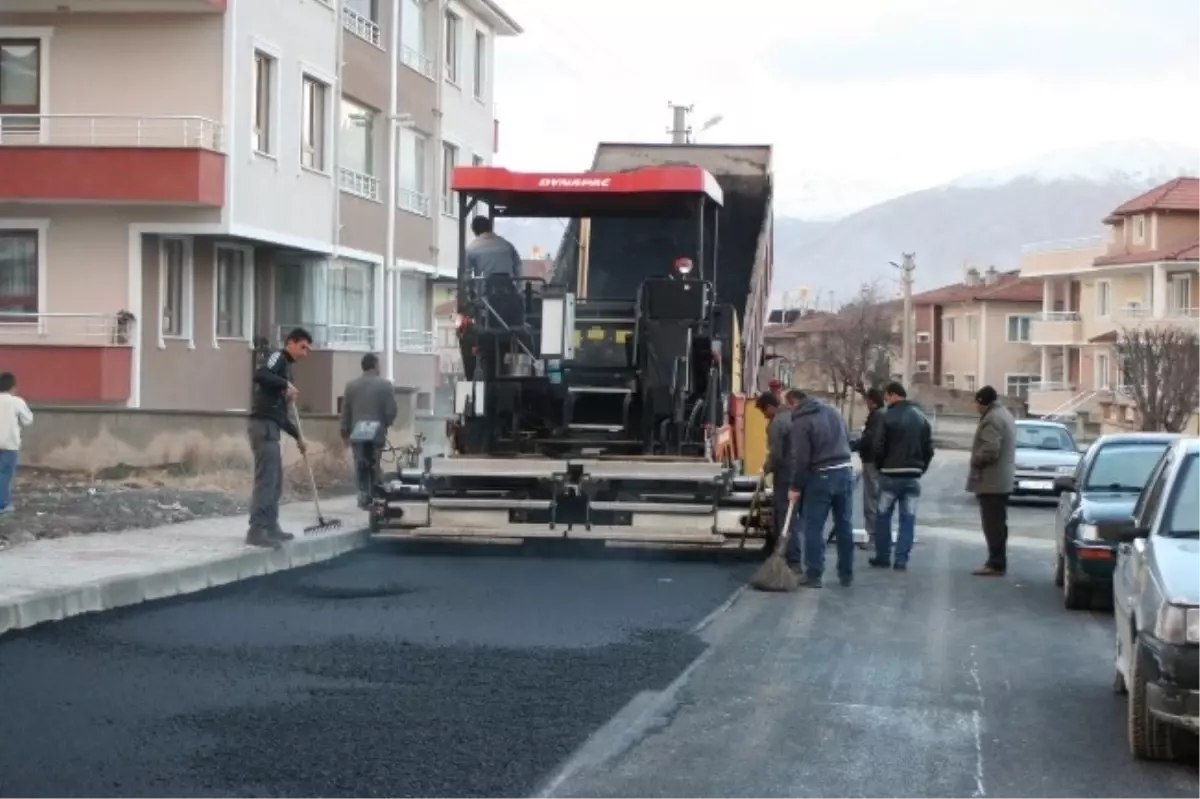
x: 822, y: 482
x: 269, y: 415
x: 775, y: 466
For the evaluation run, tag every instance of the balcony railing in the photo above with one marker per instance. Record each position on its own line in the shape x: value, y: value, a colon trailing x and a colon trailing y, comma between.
x: 360, y: 26
x: 1134, y: 312
x: 1183, y: 313
x: 1051, y: 385
x: 420, y: 342
x: 1057, y: 316
x: 107, y: 130
x: 1061, y: 245
x: 333, y: 337
x: 417, y: 61
x: 413, y: 201
x: 359, y: 184
x: 67, y: 329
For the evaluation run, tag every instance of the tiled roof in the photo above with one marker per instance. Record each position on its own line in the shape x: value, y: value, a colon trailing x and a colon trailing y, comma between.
x: 1180, y: 194
x: 1180, y: 252
x: 1009, y: 287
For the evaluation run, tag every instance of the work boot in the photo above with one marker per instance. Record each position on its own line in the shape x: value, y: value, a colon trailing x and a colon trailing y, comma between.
x: 261, y: 538
x: 879, y: 563
x: 280, y: 536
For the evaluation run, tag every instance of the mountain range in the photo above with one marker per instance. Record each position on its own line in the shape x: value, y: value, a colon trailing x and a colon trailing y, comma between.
x: 980, y: 219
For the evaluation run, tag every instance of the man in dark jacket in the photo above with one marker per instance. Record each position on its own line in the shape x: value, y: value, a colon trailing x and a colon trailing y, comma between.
x: 903, y: 450
x: 269, y: 415
x: 866, y: 453
x: 822, y: 480
x: 368, y: 410
x: 779, y: 422
x: 991, y: 475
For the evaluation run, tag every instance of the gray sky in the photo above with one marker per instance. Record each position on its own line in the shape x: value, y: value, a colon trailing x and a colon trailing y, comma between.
x: 863, y: 99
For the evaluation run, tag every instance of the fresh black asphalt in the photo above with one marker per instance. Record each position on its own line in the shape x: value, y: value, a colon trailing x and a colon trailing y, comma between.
x: 390, y: 672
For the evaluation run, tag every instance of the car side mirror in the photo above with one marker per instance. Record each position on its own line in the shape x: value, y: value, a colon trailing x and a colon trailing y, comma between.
x: 1064, y: 482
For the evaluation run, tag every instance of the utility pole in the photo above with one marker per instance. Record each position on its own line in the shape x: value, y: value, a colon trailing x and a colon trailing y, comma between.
x: 680, y: 130
x: 906, y: 281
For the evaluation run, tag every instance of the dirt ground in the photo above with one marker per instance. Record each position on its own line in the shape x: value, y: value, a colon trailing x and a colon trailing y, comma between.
x: 53, y: 504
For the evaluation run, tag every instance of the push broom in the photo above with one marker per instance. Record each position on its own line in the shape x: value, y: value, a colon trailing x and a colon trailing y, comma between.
x: 775, y: 574
x: 323, y: 525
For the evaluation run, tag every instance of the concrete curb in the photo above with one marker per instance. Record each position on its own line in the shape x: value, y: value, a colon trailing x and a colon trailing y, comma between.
x: 132, y: 589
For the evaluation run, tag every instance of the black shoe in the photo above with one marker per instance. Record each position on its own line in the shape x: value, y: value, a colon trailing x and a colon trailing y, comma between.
x: 258, y: 538
x: 845, y: 582
x: 281, y: 536
x: 809, y: 582
x: 879, y: 563
x: 900, y: 567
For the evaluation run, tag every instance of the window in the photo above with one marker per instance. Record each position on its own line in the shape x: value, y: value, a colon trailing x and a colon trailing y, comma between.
x: 1102, y: 371
x: 20, y: 83
x: 232, y: 289
x: 923, y: 337
x: 414, y: 51
x: 413, y: 160
x: 175, y: 287
x: 1018, y: 385
x: 1018, y: 329
x: 356, y: 150
x: 1125, y: 465
x: 351, y: 287
x: 412, y: 313
x: 264, y: 81
x: 1181, y: 294
x: 1139, y: 229
x: 312, y: 136
x: 449, y: 196
x: 972, y: 328
x: 1103, y: 297
x: 19, y: 271
x: 368, y: 9
x: 948, y: 381
x: 480, y: 63
x: 922, y: 367
x: 453, y: 28
x: 969, y: 382
x: 948, y: 330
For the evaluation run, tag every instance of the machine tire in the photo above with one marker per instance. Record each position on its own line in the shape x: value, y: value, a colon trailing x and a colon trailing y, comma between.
x: 1149, y: 738
x: 1060, y: 566
x: 1076, y: 596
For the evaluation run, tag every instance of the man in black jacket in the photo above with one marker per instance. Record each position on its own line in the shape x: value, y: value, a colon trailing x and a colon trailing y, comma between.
x: 269, y: 415
x: 866, y: 453
x: 903, y: 450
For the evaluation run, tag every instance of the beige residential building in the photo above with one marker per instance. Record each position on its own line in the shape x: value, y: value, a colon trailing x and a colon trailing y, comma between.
x: 179, y: 187
x: 1142, y: 272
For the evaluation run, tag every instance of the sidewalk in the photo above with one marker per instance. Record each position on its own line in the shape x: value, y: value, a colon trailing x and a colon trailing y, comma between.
x: 52, y: 579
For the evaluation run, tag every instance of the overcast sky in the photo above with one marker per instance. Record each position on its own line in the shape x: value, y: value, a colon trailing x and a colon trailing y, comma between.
x: 868, y: 97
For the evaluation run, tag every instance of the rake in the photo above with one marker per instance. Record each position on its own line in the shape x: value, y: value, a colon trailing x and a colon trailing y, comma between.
x: 323, y: 525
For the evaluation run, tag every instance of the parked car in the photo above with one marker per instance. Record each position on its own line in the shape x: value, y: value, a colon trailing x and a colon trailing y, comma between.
x: 1044, y: 450
x: 1095, y: 506
x: 1156, y: 598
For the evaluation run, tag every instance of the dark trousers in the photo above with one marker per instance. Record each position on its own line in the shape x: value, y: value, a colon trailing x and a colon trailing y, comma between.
x: 993, y: 516
x: 366, y: 469
x: 268, y: 475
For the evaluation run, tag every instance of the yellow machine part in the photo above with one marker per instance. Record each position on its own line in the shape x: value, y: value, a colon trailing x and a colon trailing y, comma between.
x: 756, y: 438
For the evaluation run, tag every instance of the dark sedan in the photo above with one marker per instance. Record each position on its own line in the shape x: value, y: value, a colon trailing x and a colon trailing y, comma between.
x: 1094, y: 508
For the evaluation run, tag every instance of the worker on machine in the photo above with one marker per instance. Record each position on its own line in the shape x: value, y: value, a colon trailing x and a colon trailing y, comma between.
x: 495, y: 262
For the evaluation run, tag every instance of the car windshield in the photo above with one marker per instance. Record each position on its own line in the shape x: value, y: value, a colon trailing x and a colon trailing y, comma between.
x: 1182, y: 518
x: 1123, y: 467
x: 1040, y: 436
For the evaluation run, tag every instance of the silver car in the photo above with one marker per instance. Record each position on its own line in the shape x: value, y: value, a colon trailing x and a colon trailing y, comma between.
x: 1045, y: 450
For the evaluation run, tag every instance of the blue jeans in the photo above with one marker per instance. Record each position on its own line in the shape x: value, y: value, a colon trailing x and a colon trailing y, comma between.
x: 902, y: 492
x: 8, y: 468
x: 825, y: 492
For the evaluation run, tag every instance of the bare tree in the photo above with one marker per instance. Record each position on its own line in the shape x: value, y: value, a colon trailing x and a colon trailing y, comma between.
x: 1161, y: 367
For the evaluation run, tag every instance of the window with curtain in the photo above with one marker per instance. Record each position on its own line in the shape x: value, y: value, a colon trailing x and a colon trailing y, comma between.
x: 233, y: 293
x: 351, y: 289
x: 412, y: 311
x: 19, y: 271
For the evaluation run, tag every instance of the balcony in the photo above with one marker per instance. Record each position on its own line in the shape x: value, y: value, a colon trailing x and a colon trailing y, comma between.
x: 418, y: 62
x: 1142, y: 318
x: 69, y: 358
x: 359, y: 184
x: 117, y: 6
x: 1056, y: 327
x: 127, y: 159
x: 361, y: 26
x: 416, y: 342
x: 414, y: 202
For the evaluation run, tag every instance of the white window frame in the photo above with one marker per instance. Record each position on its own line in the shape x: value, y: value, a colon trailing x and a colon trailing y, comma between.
x: 39, y: 227
x: 417, y: 58
x: 969, y: 382
x: 1178, y: 284
x: 364, y: 184
x: 449, y: 198
x: 404, y: 340
x: 414, y: 201
x: 922, y: 367
x: 452, y: 27
x: 972, y: 327
x: 1139, y: 228
x: 1008, y: 328
x: 322, y: 165
x: 479, y: 76
x: 1101, y: 378
x: 247, y: 252
x: 948, y: 380
x: 923, y: 337
x: 948, y: 329
x: 365, y: 334
x: 188, y: 311
x: 1031, y: 380
x: 1104, y: 309
x: 43, y: 35
x: 271, y: 56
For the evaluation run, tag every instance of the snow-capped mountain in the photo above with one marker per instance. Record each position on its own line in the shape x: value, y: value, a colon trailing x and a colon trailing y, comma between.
x: 1136, y: 162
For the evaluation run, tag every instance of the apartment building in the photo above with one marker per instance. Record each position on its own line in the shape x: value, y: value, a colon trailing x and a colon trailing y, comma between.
x: 181, y: 186
x: 977, y: 333
x: 1144, y: 270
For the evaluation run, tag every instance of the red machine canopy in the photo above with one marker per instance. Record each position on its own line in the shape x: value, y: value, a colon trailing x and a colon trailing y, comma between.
x: 653, y: 191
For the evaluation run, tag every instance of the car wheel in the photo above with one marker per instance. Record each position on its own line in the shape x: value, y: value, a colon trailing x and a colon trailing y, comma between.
x: 1149, y: 738
x: 1076, y: 595
x: 1059, y: 566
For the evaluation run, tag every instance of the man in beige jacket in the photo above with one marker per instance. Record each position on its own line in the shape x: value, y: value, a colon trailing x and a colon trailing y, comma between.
x: 993, y: 460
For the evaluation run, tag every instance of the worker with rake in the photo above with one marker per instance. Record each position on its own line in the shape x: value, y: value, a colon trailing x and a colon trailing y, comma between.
x: 270, y: 415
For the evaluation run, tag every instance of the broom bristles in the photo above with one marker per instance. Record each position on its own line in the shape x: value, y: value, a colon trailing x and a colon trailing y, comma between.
x: 775, y: 575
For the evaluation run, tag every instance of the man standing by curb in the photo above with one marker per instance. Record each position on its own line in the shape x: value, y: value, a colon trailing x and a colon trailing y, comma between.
x: 270, y: 414
x: 822, y: 478
x: 368, y: 410
x: 866, y: 453
x: 993, y: 467
x: 14, y: 416
x: 903, y: 450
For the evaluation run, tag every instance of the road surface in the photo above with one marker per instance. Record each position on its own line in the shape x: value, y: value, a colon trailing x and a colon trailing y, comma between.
x: 403, y: 671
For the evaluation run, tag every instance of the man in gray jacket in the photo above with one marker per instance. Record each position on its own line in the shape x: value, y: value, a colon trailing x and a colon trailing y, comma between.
x: 368, y: 410
x: 993, y: 464
x: 822, y: 480
x: 779, y: 422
